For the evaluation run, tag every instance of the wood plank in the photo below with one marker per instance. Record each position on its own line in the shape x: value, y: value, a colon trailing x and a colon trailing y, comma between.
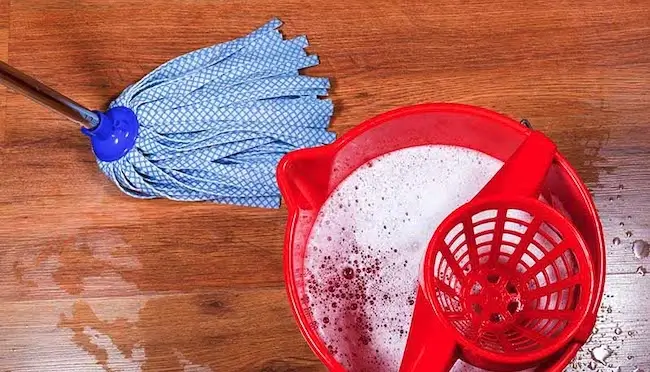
x: 4, y: 53
x: 199, y: 331
x: 98, y: 280
x: 181, y: 253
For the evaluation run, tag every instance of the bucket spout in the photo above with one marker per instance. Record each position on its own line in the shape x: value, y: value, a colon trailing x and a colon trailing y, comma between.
x: 303, y: 177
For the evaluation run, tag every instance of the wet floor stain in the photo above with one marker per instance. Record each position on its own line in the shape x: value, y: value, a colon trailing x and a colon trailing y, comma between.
x: 87, y: 328
x: 126, y: 315
x: 583, y: 148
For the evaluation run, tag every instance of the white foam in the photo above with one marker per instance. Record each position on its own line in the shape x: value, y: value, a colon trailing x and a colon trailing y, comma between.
x: 378, y: 223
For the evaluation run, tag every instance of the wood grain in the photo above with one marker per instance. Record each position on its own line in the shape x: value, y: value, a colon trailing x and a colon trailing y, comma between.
x: 93, y: 280
x: 4, y: 51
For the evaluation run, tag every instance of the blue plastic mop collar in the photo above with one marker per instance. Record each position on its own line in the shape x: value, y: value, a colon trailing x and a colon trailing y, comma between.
x: 115, y: 135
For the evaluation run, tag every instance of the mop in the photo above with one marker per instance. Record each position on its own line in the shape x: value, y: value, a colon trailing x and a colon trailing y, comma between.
x: 210, y: 125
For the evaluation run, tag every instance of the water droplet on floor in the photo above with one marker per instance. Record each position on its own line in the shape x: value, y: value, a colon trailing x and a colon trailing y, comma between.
x: 592, y: 366
x: 595, y: 331
x: 600, y: 354
x: 616, y: 241
x: 629, y: 217
x: 631, y: 333
x: 618, y: 197
x: 618, y: 330
x: 609, y: 310
x: 615, y: 338
x: 640, y: 249
x: 621, y: 224
x: 611, y: 199
x: 621, y: 187
x: 630, y: 357
x: 628, y: 233
x: 640, y: 271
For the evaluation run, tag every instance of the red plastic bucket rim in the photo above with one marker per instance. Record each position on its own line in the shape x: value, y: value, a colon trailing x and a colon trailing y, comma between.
x: 308, y: 332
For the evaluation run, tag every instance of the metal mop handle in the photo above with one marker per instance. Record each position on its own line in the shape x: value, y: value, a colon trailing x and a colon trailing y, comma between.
x: 47, y: 96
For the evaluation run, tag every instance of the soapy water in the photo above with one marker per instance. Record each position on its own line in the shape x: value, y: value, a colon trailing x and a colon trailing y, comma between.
x: 366, y: 246
x: 601, y: 353
x: 641, y: 249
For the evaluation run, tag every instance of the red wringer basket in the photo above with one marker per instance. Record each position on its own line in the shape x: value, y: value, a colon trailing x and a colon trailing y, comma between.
x: 506, y: 280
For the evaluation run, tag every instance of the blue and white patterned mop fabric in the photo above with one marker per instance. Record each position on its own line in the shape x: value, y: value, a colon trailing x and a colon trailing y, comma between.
x: 215, y: 122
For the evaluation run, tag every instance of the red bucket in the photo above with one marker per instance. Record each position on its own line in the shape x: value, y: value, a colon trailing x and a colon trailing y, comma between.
x: 307, y: 177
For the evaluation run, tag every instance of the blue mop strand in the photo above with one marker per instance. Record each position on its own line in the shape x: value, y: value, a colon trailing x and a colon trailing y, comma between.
x: 214, y: 123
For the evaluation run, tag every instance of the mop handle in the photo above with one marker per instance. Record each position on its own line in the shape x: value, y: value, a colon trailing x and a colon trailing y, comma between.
x: 46, y: 96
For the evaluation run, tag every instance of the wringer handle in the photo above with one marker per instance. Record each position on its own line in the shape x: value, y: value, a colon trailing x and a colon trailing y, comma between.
x: 524, y: 172
x: 46, y: 96
x: 429, y: 347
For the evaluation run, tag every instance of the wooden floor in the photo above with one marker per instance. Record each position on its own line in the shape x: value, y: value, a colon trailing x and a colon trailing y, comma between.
x: 92, y: 280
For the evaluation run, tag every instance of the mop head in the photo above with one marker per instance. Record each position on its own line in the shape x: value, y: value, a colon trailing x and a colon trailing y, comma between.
x: 215, y: 122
